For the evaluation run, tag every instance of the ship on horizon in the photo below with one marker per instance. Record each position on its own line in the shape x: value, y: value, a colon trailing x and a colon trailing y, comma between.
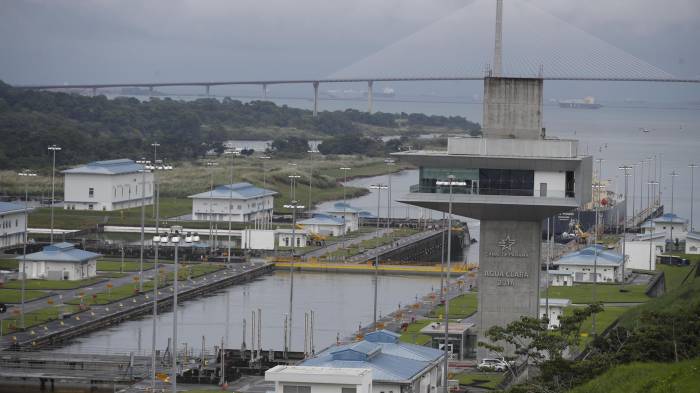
x: 585, y: 103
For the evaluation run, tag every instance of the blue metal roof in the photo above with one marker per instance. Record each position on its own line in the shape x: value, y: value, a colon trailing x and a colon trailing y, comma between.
x: 322, y: 219
x: 670, y: 217
x: 108, y: 167
x: 241, y: 190
x: 8, y: 207
x: 389, y: 359
x: 587, y: 256
x: 60, y: 252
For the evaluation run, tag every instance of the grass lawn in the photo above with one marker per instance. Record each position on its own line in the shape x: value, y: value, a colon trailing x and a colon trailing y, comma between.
x: 604, y: 319
x: 37, y: 317
x: 412, y: 335
x: 461, y: 306
x: 116, y: 266
x: 646, y: 378
x: 674, y: 275
x: 480, y: 379
x: 53, y: 284
x: 9, y: 264
x: 113, y: 295
x: 14, y: 295
x: 606, y: 293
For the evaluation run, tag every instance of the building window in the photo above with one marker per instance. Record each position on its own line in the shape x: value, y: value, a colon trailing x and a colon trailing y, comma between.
x: 90, y: 207
x: 296, y: 389
x: 91, y: 192
x: 348, y: 390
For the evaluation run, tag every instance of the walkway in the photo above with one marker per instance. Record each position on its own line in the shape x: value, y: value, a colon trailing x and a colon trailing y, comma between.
x: 396, y: 244
x: 346, y: 243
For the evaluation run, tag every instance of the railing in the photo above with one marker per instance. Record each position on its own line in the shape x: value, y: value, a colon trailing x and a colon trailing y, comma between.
x: 417, y: 188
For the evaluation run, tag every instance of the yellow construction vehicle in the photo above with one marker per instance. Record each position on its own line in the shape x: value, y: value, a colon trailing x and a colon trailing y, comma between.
x: 581, y: 236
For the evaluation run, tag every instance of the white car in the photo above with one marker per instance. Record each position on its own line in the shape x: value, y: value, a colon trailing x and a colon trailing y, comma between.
x: 493, y: 365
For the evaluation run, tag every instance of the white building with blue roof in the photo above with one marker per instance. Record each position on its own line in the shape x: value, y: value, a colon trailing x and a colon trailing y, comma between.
x: 349, y: 213
x: 12, y: 224
x: 608, y: 264
x: 326, y: 224
x: 671, y: 225
x: 692, y: 243
x: 59, y: 261
x: 107, y: 185
x: 238, y: 202
x: 397, y: 367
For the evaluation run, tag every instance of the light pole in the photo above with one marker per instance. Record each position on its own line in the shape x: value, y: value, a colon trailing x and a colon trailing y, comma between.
x: 625, y: 169
x: 595, y: 258
x: 292, y: 184
x: 651, y: 231
x: 311, y: 173
x: 211, y: 164
x: 634, y: 190
x: 25, y: 173
x: 264, y: 170
x: 155, y: 152
x: 294, y: 206
x: 673, y: 175
x: 390, y: 162
x: 692, y: 191
x: 143, y: 171
x: 53, y: 149
x: 450, y: 182
x: 156, y: 241
x: 233, y: 154
x: 379, y: 188
x: 345, y: 170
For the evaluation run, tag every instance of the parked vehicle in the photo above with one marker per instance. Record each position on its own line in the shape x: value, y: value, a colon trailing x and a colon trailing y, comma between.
x: 493, y: 365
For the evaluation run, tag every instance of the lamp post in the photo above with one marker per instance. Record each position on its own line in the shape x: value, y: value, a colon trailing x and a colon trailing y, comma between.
x: 379, y: 188
x: 311, y: 173
x: 390, y: 162
x: 595, y: 258
x: 651, y: 231
x: 625, y: 169
x: 233, y: 154
x: 692, y: 191
x: 294, y: 206
x: 263, y: 169
x: 292, y: 184
x: 450, y: 182
x: 345, y: 170
x: 211, y: 164
x: 673, y: 175
x: 53, y: 149
x: 634, y: 189
x: 143, y: 171
x: 156, y: 241
x: 25, y: 173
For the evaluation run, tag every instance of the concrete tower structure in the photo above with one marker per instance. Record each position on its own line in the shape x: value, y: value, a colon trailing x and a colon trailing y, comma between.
x: 515, y: 178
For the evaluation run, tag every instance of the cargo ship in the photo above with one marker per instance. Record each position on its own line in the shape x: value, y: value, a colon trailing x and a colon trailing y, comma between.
x: 585, y: 103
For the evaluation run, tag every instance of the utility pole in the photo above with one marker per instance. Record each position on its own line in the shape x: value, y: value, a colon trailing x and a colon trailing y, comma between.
x: 626, y: 169
x: 211, y: 202
x: 673, y: 174
x: 143, y: 171
x: 294, y: 206
x: 345, y: 181
x: 692, y: 191
x: 25, y: 173
x: 379, y: 188
x: 53, y: 149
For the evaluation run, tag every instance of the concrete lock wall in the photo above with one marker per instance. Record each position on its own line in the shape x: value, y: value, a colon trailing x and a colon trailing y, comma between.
x: 513, y: 108
x: 509, y: 261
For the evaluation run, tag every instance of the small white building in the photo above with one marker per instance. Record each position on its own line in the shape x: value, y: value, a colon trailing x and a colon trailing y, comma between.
x: 692, y: 243
x: 59, y: 261
x: 325, y: 224
x: 306, y: 379
x: 13, y: 219
x: 272, y: 239
x: 671, y: 225
x: 238, y: 202
x: 349, y: 213
x: 397, y: 367
x: 637, y: 250
x: 558, y: 278
x: 556, y: 310
x: 107, y: 185
x: 582, y: 263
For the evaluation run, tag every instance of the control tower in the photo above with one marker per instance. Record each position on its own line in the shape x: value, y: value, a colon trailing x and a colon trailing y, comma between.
x: 515, y: 177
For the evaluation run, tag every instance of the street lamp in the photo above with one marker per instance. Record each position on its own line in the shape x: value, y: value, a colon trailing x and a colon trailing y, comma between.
x: 595, y: 254
x: 345, y: 170
x: 625, y: 169
x: 143, y: 171
x: 673, y: 175
x: 156, y: 241
x: 25, y: 173
x: 155, y: 151
x: 211, y: 164
x: 174, y: 239
x: 294, y: 206
x: 233, y: 154
x: 450, y: 182
x: 390, y: 162
x: 692, y: 190
x: 53, y: 149
x: 263, y: 169
x: 651, y: 231
x: 379, y: 188
x: 311, y: 173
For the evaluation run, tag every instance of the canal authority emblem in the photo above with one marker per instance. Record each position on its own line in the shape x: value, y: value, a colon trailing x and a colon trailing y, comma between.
x: 506, y: 249
x: 506, y: 244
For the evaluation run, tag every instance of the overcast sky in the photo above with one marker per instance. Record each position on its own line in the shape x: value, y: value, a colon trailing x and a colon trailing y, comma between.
x: 62, y: 41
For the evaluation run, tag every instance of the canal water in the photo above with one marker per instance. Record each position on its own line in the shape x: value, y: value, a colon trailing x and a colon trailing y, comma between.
x: 341, y: 302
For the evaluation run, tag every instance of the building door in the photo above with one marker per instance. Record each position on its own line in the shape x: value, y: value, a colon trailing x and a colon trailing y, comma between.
x: 543, y: 189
